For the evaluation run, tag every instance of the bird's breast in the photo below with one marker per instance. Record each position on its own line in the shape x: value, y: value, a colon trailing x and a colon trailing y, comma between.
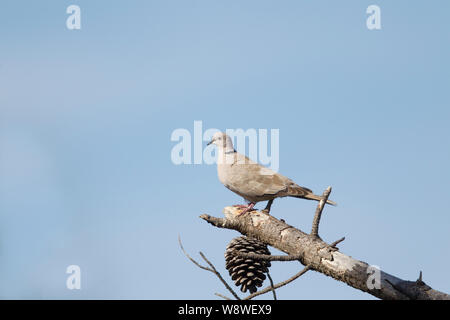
x: 222, y: 174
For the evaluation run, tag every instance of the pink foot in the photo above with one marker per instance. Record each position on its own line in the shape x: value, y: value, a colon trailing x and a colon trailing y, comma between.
x: 247, y: 209
x: 241, y: 206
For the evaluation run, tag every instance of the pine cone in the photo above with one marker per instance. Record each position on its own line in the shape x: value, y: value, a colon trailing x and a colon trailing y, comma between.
x: 247, y: 273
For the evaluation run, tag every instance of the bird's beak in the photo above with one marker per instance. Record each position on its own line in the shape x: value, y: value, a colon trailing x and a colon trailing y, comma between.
x: 210, y: 142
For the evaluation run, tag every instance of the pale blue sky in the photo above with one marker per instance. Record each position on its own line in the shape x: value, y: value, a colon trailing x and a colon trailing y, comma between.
x: 86, y: 117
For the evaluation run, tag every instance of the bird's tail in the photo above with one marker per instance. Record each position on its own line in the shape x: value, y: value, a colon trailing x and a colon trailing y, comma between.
x: 312, y: 196
x: 305, y: 193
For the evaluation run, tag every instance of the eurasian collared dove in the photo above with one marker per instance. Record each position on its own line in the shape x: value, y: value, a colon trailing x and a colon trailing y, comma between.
x: 251, y: 180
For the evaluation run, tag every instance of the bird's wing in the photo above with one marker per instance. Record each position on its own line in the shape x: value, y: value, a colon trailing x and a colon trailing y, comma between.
x: 254, y: 180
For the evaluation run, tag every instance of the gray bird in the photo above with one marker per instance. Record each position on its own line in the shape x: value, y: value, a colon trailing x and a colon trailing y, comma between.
x: 251, y: 180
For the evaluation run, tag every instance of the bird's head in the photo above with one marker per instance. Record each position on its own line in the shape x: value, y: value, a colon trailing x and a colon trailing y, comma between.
x: 222, y: 140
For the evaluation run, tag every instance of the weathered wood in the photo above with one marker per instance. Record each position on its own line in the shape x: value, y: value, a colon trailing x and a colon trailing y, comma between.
x: 319, y: 256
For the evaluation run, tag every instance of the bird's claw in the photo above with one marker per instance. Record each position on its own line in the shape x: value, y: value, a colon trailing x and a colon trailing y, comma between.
x: 248, y: 208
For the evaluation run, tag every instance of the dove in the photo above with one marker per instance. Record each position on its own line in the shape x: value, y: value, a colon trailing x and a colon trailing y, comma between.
x: 251, y: 180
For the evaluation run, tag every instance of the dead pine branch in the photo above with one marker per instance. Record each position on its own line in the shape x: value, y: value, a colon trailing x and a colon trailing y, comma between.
x: 317, y: 255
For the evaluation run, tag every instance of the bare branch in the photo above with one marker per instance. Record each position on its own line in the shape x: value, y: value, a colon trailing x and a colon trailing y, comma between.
x: 418, y: 290
x: 222, y: 296
x: 211, y: 269
x: 278, y: 285
x: 318, y: 214
x: 220, y: 277
x: 313, y: 252
x: 189, y: 257
x: 267, y: 257
x: 335, y: 243
x: 419, y: 280
x: 217, y: 222
x: 272, y: 286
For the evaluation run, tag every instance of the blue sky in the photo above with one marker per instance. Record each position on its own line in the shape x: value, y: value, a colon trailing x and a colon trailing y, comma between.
x: 86, y: 117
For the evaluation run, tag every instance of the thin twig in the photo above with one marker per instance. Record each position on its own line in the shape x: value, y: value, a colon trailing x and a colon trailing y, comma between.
x: 271, y: 286
x: 278, y: 285
x: 222, y: 296
x: 335, y: 243
x: 419, y: 280
x: 212, y: 269
x: 318, y: 214
x: 220, y: 276
x: 189, y: 257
